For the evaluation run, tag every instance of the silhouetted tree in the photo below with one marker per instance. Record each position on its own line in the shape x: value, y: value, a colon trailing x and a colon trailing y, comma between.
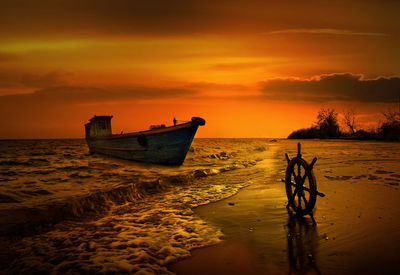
x: 327, y: 127
x: 312, y: 132
x: 390, y: 129
x: 327, y: 123
x: 350, y: 120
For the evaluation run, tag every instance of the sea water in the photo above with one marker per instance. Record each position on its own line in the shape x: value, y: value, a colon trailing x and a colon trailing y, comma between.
x: 111, y: 215
x: 65, y: 210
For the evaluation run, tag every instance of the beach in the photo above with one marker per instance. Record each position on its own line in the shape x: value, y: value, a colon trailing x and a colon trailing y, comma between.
x: 357, y: 232
x: 222, y: 212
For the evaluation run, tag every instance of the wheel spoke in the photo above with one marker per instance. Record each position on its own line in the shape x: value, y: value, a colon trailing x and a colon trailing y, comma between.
x: 294, y: 176
x: 303, y: 188
x: 292, y: 198
x: 299, y: 200
x: 287, y: 158
x: 294, y: 194
x: 303, y: 179
x: 305, y: 200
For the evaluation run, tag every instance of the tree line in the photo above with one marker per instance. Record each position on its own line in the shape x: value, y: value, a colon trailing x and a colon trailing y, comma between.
x: 327, y: 127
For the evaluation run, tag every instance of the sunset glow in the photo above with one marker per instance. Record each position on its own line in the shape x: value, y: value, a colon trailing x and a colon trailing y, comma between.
x: 250, y: 69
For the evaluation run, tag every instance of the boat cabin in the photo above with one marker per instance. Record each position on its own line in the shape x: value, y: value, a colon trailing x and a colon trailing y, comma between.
x: 98, y: 126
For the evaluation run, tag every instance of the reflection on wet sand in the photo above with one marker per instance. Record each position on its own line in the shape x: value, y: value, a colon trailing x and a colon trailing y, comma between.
x: 302, y: 243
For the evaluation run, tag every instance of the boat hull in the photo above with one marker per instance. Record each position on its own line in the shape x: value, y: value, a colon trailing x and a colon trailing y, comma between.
x: 164, y: 146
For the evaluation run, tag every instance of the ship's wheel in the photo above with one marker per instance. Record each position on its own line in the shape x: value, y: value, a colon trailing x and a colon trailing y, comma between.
x: 301, y: 186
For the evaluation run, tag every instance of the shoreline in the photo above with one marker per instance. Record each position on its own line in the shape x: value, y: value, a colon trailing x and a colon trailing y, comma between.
x: 241, y: 220
x: 357, y: 228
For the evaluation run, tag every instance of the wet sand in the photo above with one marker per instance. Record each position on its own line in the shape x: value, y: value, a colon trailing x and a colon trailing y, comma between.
x: 358, y: 229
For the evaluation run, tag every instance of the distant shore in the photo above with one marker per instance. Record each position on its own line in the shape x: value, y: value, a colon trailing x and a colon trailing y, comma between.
x: 327, y: 127
x: 357, y: 138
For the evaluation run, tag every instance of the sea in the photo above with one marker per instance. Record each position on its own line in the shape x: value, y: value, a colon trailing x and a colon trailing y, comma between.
x: 64, y: 210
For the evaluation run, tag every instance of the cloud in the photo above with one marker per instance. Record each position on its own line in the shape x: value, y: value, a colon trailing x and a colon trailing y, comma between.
x: 10, y: 79
x: 326, y: 31
x: 175, y: 17
x: 322, y: 88
x: 333, y: 87
x: 204, y: 86
x: 52, y: 79
x: 9, y: 57
x: 77, y: 94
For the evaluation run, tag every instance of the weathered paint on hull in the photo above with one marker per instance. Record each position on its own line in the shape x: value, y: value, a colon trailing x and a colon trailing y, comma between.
x: 169, y: 147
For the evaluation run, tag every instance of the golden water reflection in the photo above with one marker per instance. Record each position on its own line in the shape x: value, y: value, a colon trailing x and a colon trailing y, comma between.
x: 302, y: 243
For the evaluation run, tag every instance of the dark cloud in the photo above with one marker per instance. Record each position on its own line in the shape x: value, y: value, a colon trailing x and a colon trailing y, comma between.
x: 334, y: 87
x: 75, y: 94
x: 175, y: 17
x: 205, y: 86
x: 326, y: 31
x: 9, y: 57
x: 52, y: 79
x: 10, y: 79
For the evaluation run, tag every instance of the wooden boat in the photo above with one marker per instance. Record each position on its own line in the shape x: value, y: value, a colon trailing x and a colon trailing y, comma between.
x: 160, y: 144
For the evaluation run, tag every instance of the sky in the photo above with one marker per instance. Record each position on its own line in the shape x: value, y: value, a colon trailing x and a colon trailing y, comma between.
x: 249, y: 68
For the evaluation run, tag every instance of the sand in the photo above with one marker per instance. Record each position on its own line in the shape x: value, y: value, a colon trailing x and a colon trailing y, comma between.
x: 357, y: 232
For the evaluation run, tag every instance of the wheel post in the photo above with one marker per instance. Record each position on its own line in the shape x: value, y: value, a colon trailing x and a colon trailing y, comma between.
x: 299, y: 150
x: 287, y: 158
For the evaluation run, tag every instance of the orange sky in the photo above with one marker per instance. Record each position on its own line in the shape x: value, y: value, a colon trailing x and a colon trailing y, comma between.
x: 250, y: 68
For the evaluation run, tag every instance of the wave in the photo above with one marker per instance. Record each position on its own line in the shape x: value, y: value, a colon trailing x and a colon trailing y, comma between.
x: 8, y: 173
x: 97, y: 202
x: 222, y: 156
x: 137, y: 217
x: 142, y: 237
x: 260, y: 149
x: 30, y: 162
x: 43, y: 153
x: 7, y: 199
